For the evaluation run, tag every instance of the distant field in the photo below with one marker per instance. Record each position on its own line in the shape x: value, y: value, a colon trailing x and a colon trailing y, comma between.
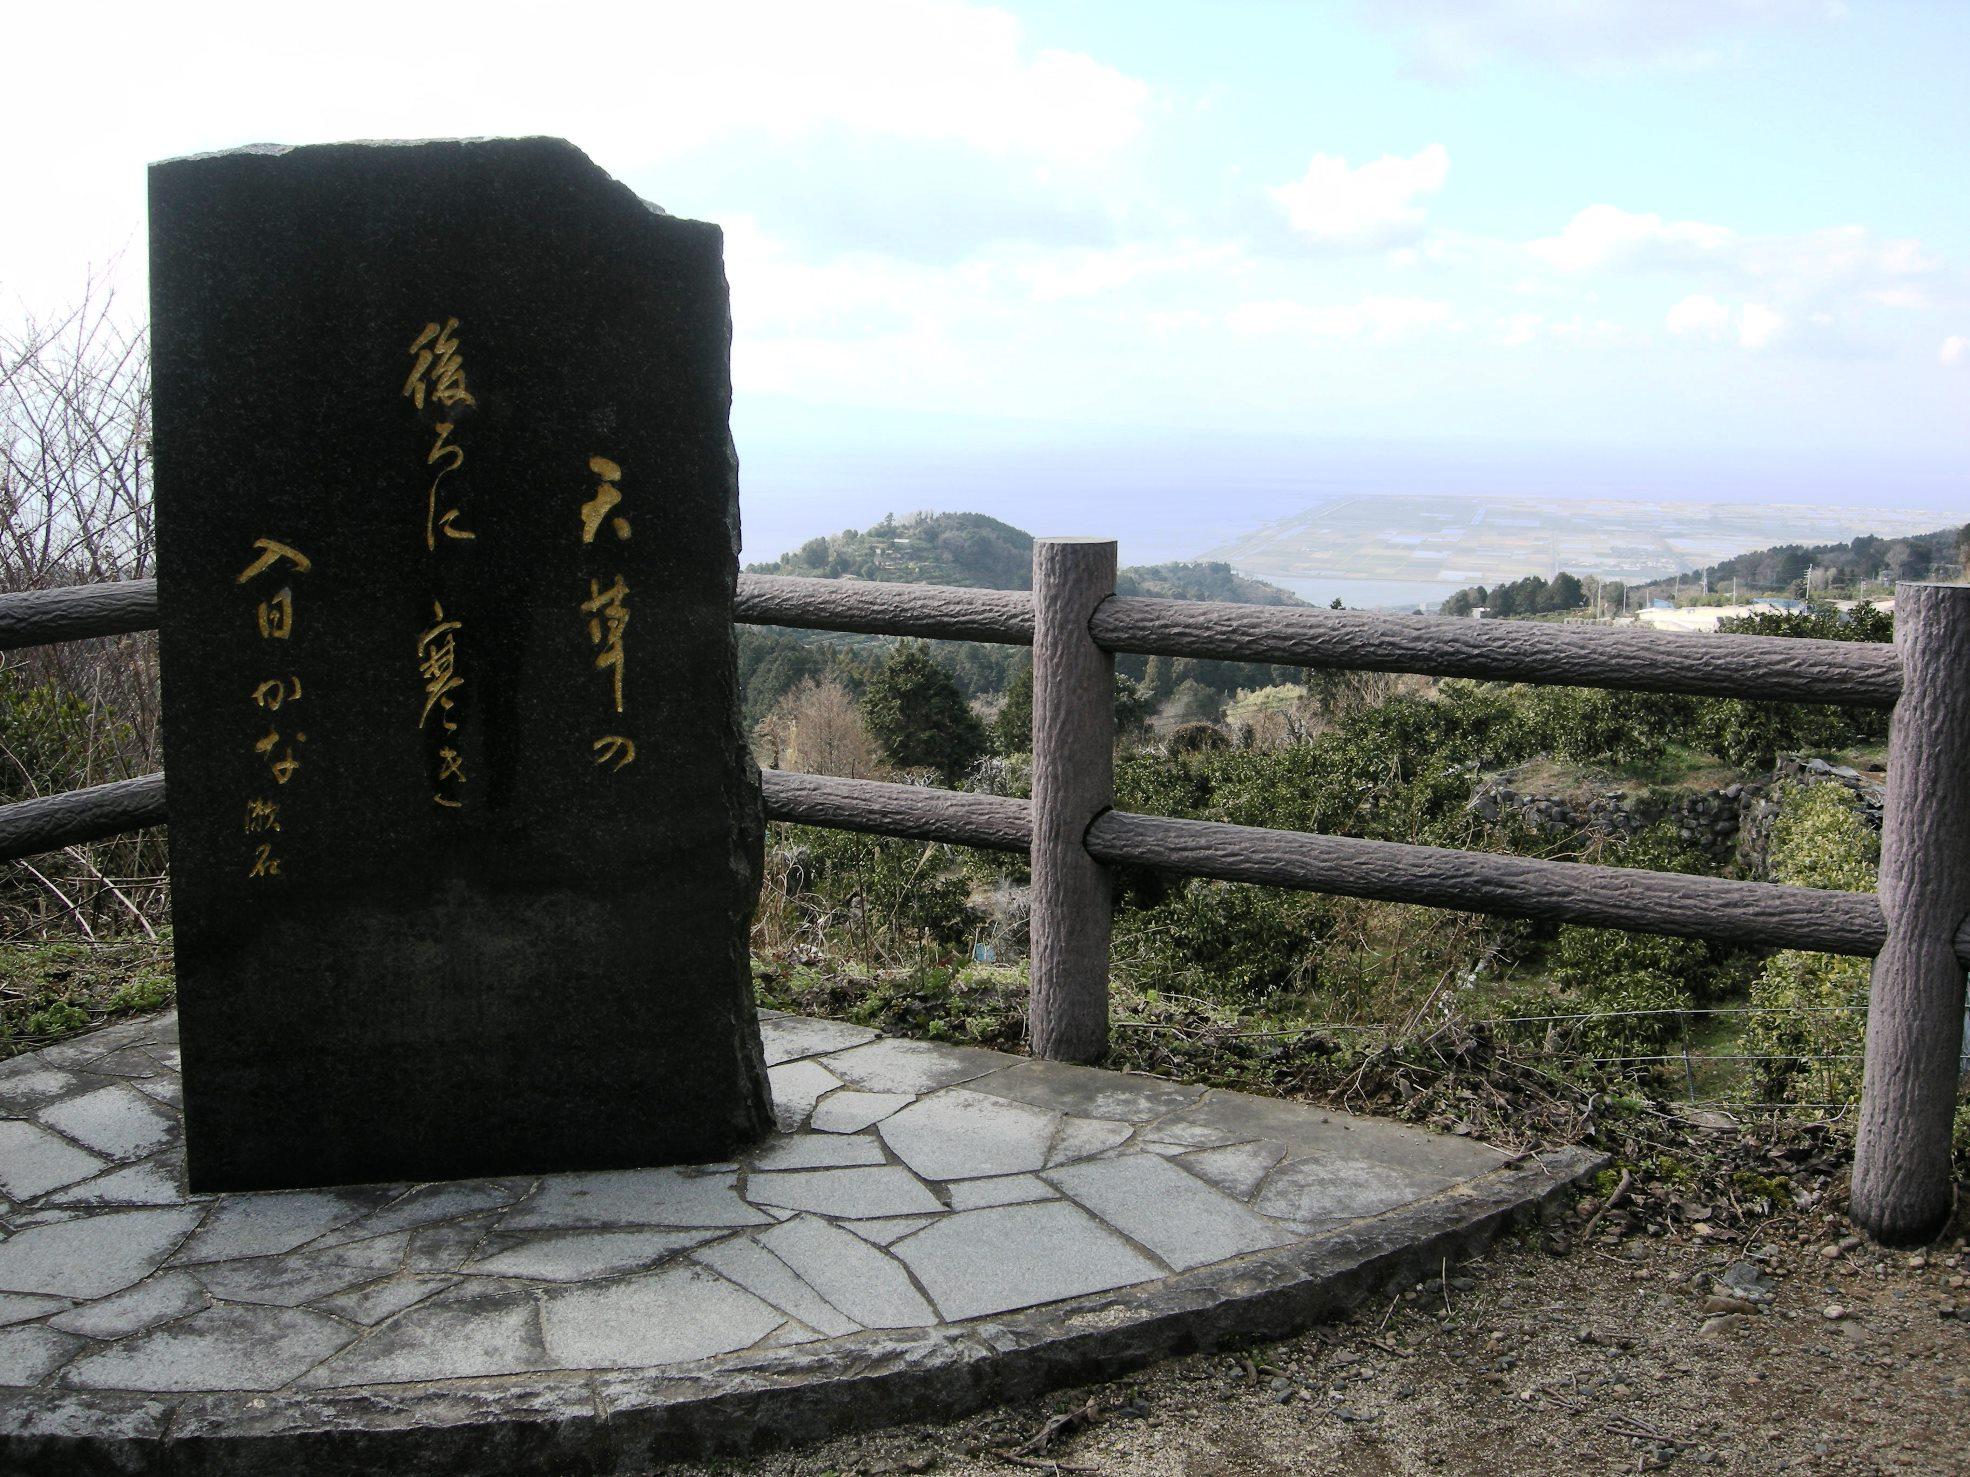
x: 1452, y: 542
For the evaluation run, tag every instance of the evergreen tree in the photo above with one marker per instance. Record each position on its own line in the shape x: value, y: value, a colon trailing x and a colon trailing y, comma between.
x: 919, y: 717
x: 1013, y: 728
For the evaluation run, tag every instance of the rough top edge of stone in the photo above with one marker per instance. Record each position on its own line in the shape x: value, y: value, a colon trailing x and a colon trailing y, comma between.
x: 274, y: 150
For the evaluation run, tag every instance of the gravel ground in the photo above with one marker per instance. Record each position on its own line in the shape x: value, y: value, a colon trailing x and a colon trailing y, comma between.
x: 1793, y: 1347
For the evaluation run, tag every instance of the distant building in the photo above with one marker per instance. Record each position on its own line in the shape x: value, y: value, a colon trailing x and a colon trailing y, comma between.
x: 1480, y: 612
x: 1660, y: 604
x: 1781, y: 606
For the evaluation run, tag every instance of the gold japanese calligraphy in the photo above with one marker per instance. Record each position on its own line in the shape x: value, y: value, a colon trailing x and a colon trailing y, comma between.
x: 614, y: 750
x: 438, y: 375
x: 274, y: 618
x: 437, y: 665
x: 438, y: 370
x: 607, y: 495
x: 608, y: 617
x: 606, y: 610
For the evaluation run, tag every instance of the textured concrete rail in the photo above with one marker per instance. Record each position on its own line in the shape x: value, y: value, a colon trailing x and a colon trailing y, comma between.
x: 932, y: 1228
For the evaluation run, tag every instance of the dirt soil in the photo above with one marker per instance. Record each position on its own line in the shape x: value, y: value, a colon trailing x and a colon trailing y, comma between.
x: 1793, y: 1346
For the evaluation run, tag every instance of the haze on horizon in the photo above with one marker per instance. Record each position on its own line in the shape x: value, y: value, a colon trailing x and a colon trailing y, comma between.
x: 1172, y: 271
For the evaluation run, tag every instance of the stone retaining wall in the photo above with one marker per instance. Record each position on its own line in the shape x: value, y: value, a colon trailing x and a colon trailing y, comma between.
x: 1730, y: 825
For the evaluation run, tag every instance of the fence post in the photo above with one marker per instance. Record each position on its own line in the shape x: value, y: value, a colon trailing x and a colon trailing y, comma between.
x: 1902, y: 1191
x: 1073, y: 782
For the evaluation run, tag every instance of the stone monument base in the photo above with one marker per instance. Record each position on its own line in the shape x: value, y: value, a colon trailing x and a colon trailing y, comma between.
x: 933, y: 1228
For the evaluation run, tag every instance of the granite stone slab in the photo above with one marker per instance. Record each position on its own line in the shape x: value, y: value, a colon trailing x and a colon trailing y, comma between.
x: 967, y: 1226
x: 34, y: 1161
x: 465, y: 832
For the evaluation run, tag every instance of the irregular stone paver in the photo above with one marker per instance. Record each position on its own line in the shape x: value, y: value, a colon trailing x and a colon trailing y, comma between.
x: 883, y: 1232
x: 379, y: 1300
x: 1087, y: 1092
x: 447, y: 1247
x: 20, y: 1307
x: 154, y: 1182
x: 851, y: 1110
x: 1083, y: 1138
x: 1176, y: 1215
x: 961, y: 1134
x: 797, y: 1086
x: 668, y: 1317
x: 34, y: 1161
x: 92, y: 1255
x: 828, y: 1272
x: 1014, y: 1256
x: 851, y: 1193
x: 1236, y: 1117
x: 791, y: 1037
x: 1333, y: 1191
x: 744, y: 1261
x: 157, y: 1300
x: 26, y: 1083
x: 864, y: 1282
x: 817, y: 1151
x: 633, y: 1197
x: 1238, y: 1169
x: 428, y: 1204
x: 895, y: 1065
x: 576, y: 1256
x: 114, y: 1121
x: 467, y: 1338
x: 1011, y: 1189
x: 27, y: 1355
x: 288, y: 1281
x: 219, y: 1349
x: 267, y: 1224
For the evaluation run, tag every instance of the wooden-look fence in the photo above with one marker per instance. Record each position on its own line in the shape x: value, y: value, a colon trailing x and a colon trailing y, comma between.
x: 1916, y: 927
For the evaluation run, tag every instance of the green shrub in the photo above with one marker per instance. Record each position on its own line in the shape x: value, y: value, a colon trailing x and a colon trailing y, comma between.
x: 1810, y: 1007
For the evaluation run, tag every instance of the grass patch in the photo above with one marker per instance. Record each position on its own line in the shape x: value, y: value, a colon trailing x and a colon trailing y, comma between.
x: 52, y: 991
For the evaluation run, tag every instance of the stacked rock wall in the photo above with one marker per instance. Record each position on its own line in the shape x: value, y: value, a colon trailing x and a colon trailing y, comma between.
x: 1730, y: 825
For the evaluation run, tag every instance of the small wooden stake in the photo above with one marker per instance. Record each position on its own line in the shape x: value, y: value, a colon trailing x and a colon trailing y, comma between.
x: 1902, y: 1192
x: 1073, y: 782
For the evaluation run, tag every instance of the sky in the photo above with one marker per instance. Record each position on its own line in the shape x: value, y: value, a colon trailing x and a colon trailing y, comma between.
x: 1166, y: 270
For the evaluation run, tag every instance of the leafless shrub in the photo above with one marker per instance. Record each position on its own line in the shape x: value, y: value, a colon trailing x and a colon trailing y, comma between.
x: 75, y: 508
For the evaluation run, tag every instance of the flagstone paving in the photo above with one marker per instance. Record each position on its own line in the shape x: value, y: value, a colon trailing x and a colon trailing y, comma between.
x: 931, y: 1227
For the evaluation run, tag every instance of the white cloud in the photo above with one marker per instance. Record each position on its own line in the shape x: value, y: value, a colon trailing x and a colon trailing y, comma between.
x: 1758, y: 325
x: 1450, y: 39
x: 1700, y: 316
x: 1377, y: 319
x: 1955, y: 350
x: 1055, y: 275
x: 1751, y: 325
x: 1606, y: 235
x: 1515, y: 330
x: 1367, y: 206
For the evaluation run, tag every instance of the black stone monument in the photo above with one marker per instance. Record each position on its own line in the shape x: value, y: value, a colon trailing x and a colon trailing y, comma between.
x: 464, y: 834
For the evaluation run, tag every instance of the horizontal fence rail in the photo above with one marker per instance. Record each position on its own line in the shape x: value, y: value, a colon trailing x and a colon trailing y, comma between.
x: 29, y: 827
x: 1778, y: 668
x: 1493, y: 882
x: 1469, y: 881
x: 1772, y: 667
x: 75, y: 612
x: 915, y: 812
x: 1866, y: 674
x: 938, y: 612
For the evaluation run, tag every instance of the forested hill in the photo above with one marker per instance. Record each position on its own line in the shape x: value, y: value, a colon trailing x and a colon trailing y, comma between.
x: 975, y: 550
x: 1912, y: 558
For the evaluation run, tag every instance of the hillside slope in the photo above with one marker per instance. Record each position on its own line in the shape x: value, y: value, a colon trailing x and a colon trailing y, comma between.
x: 974, y: 550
